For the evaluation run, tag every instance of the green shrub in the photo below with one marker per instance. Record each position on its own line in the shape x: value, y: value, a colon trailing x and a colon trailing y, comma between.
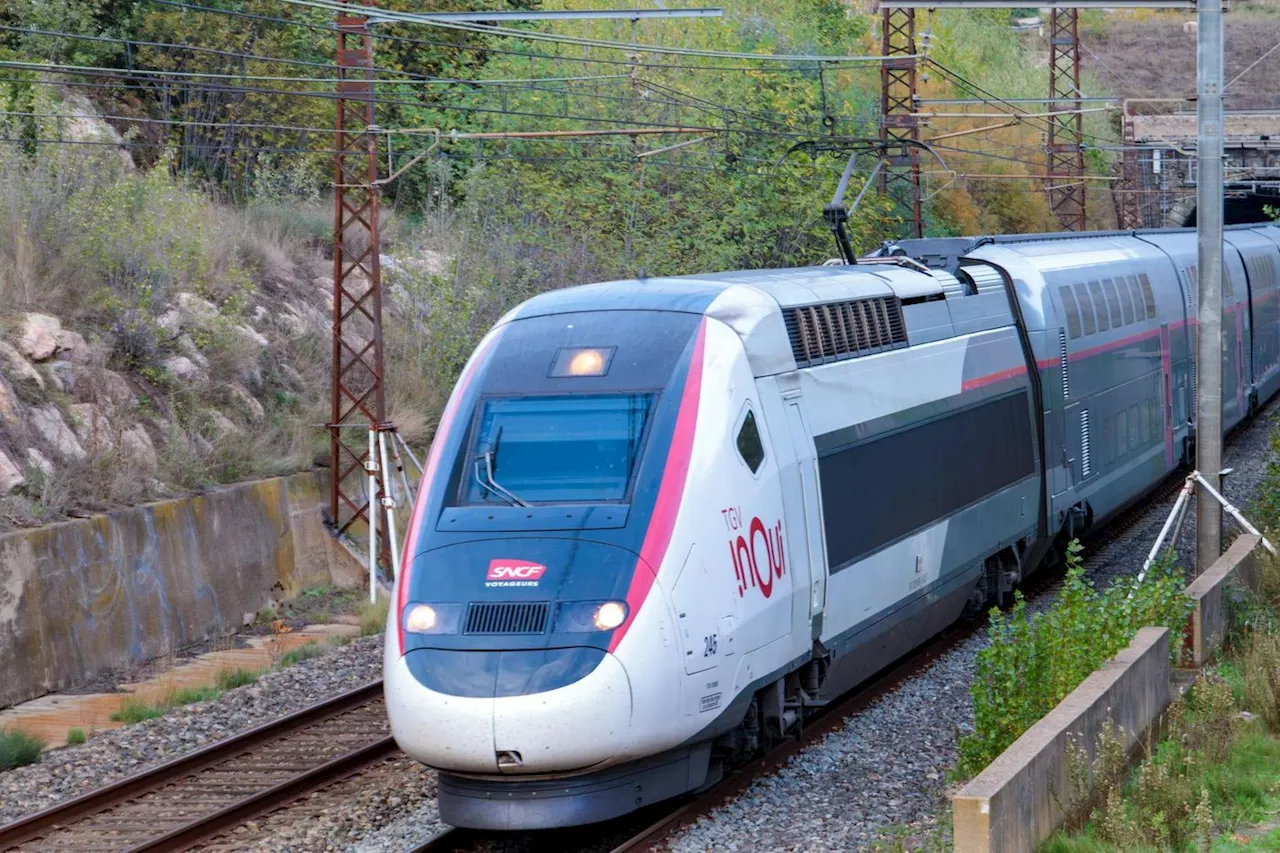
x: 18, y: 748
x: 75, y: 737
x: 1034, y: 661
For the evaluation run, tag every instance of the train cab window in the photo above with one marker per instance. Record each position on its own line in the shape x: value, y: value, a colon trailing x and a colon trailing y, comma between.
x: 1113, y: 303
x: 749, y: 445
x: 1148, y: 296
x: 1086, y: 308
x: 1070, y: 309
x: 1099, y: 306
x: 574, y: 448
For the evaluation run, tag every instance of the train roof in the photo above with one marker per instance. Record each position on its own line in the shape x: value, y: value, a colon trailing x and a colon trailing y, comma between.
x: 695, y: 294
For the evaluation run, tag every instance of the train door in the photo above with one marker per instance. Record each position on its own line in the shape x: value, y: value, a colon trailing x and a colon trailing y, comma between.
x: 809, y: 549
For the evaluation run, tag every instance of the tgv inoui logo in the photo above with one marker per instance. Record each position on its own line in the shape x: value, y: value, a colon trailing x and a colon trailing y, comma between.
x: 513, y: 573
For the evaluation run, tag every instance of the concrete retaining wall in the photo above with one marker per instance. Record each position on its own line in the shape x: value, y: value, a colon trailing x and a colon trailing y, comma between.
x: 1019, y: 800
x: 1209, y: 619
x: 84, y: 596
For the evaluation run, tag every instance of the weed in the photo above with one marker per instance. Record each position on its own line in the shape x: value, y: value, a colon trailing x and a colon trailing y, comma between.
x: 192, y: 695
x: 230, y: 679
x: 373, y: 618
x: 134, y: 710
x: 337, y: 641
x: 315, y: 592
x: 304, y: 652
x: 18, y: 748
x: 265, y: 616
x: 75, y: 737
x: 322, y: 617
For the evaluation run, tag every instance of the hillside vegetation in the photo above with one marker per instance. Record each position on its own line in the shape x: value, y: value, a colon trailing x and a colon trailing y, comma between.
x: 164, y: 281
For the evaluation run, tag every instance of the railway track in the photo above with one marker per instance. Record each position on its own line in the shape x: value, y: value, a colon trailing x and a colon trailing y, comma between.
x: 201, y: 795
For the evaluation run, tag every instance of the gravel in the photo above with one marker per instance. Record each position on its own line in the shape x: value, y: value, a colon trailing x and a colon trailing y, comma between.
x: 883, y: 775
x: 390, y: 807
x: 114, y: 754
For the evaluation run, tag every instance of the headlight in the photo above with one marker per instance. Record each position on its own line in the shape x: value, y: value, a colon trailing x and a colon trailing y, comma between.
x: 584, y: 617
x: 610, y: 615
x: 421, y: 619
x: 432, y: 618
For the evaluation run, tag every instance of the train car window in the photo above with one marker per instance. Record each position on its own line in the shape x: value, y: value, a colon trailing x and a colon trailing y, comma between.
x: 1113, y: 302
x: 1135, y: 428
x: 1228, y: 291
x: 749, y: 445
x: 1126, y: 302
x: 1086, y: 309
x: 1148, y: 296
x: 1071, y: 310
x: 556, y: 449
x: 1100, y: 306
x: 1122, y: 432
x: 1130, y: 293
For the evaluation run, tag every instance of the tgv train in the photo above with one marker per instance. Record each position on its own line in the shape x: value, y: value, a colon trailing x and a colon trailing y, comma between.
x: 662, y: 518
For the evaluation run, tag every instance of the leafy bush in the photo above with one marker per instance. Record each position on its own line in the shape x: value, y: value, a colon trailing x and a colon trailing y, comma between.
x: 75, y: 737
x: 1034, y: 661
x: 18, y: 748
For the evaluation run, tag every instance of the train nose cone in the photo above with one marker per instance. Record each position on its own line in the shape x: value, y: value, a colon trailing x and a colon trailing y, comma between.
x: 574, y: 726
x: 509, y: 712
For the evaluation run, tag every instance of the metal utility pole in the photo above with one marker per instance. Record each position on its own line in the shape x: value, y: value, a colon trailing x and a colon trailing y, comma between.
x: 1066, y: 123
x: 1127, y: 199
x: 359, y: 407
x: 358, y: 398
x: 898, y: 120
x: 1209, y: 237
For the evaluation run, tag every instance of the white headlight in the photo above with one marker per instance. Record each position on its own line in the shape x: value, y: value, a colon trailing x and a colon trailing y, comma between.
x: 609, y: 615
x: 421, y: 619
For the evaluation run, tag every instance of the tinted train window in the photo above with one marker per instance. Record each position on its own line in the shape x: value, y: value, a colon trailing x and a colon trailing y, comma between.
x: 1126, y: 302
x: 879, y: 490
x: 1086, y: 308
x: 1072, y: 312
x: 1227, y: 289
x: 1129, y: 284
x: 1148, y: 296
x: 1113, y: 302
x: 749, y: 444
x: 1099, y: 306
x: 561, y: 449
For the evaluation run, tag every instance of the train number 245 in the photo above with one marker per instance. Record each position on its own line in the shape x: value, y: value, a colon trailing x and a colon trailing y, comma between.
x: 709, y: 645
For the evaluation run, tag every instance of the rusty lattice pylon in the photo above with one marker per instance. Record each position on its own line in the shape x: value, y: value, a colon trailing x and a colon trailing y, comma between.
x: 1066, y: 123
x: 898, y: 120
x: 359, y: 401
x: 1128, y: 202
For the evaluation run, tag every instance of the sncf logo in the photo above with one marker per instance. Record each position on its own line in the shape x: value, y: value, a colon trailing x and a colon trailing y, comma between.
x: 513, y: 573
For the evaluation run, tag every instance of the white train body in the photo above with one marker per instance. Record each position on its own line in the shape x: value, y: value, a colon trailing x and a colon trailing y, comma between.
x: 662, y: 518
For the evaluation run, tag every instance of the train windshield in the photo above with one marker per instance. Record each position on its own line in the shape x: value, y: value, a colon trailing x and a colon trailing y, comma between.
x: 561, y: 449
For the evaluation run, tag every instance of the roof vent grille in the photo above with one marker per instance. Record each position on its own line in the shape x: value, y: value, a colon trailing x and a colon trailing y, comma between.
x: 841, y: 330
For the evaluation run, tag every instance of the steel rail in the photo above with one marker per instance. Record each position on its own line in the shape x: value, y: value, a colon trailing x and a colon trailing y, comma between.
x: 65, y: 815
